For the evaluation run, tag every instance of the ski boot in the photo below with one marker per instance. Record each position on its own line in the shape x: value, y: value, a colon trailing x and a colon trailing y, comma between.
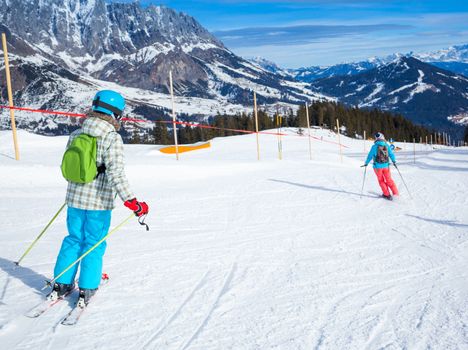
x: 85, y: 296
x: 59, y: 290
x: 389, y: 197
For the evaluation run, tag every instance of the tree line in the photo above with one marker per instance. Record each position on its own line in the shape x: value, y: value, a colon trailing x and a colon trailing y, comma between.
x: 353, y: 121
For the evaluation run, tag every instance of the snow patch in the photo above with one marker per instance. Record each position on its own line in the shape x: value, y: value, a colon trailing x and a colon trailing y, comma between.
x: 421, y: 87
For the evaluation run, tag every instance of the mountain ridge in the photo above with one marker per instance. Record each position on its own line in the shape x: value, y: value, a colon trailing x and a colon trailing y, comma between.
x: 454, y: 58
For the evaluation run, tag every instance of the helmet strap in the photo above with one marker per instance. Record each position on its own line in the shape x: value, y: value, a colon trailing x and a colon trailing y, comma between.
x: 117, y: 112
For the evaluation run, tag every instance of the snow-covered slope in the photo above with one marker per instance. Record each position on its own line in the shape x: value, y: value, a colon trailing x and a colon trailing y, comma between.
x: 249, y: 255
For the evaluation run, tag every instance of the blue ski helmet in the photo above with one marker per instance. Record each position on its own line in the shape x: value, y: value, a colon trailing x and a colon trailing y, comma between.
x: 109, y: 102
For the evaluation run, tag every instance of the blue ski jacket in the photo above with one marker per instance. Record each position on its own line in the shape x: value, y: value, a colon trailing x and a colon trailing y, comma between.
x: 373, y: 153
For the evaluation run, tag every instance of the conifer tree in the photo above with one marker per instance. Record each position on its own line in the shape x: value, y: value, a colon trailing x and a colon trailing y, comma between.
x: 160, y: 133
x: 465, y: 135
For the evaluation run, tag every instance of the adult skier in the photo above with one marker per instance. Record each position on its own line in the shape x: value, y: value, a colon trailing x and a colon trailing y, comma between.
x: 93, y: 164
x: 381, y: 153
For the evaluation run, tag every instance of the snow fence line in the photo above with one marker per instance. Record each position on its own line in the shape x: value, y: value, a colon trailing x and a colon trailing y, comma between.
x: 135, y: 120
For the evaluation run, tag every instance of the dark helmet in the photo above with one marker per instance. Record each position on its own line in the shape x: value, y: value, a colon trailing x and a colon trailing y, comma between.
x: 109, y: 102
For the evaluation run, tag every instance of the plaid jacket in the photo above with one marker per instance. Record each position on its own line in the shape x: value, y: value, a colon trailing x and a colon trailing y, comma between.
x: 100, y: 194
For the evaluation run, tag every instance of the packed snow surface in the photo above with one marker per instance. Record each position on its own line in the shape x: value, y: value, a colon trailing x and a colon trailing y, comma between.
x: 247, y: 254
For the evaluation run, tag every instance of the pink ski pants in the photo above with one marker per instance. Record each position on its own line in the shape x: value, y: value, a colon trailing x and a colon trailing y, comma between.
x: 385, y: 181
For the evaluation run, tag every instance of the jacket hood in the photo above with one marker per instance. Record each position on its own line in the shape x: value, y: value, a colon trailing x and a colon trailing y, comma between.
x: 99, y: 125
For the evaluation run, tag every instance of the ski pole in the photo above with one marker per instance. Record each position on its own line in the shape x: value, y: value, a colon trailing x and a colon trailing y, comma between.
x: 40, y: 235
x: 51, y: 283
x: 363, y: 180
x: 402, y: 179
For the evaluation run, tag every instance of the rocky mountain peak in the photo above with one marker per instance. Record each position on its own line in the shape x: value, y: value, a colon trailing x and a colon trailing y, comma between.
x: 93, y: 28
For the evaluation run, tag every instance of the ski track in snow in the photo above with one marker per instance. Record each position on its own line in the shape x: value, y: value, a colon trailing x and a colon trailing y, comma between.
x: 250, y: 255
x: 222, y: 290
x: 176, y: 313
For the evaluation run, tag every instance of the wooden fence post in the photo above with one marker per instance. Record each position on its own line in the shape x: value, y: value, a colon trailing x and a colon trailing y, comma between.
x: 339, y: 139
x: 365, y: 141
x: 308, y: 128
x: 174, y: 124
x: 279, y: 122
x: 256, y: 125
x: 10, y: 96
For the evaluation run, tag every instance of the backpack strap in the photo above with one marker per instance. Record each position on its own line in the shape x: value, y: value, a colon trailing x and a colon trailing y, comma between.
x: 102, y: 167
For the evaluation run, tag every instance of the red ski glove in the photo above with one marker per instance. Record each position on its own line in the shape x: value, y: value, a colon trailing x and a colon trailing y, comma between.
x: 139, y: 208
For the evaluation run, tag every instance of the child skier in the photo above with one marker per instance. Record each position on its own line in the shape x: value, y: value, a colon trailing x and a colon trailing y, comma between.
x: 380, y: 154
x: 92, y: 188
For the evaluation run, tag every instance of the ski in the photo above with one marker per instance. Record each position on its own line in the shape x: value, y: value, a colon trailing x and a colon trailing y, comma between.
x: 45, y: 305
x: 75, y: 314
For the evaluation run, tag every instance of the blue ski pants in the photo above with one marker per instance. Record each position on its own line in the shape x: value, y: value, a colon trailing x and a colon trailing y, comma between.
x: 85, y: 228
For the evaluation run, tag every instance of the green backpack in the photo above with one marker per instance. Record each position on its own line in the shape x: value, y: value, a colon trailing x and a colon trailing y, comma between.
x: 79, y: 160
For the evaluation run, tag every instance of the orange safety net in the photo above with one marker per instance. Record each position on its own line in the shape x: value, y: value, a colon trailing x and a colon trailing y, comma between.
x: 184, y: 148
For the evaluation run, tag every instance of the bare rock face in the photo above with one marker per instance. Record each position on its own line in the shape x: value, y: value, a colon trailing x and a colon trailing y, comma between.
x: 16, y: 44
x: 190, y: 78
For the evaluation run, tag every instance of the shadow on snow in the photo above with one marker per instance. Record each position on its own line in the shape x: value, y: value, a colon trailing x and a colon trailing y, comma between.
x: 26, y: 275
x: 320, y: 188
x: 440, y: 222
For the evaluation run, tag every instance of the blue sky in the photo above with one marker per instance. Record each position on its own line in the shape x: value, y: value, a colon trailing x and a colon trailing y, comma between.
x: 300, y: 33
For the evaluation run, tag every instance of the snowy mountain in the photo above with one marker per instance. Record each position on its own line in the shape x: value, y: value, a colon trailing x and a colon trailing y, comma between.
x: 454, y: 59
x: 457, y: 53
x: 100, y: 44
x: 313, y: 73
x: 424, y: 93
x: 270, y: 66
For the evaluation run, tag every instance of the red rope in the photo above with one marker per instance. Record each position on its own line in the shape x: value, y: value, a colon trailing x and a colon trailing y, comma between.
x: 128, y: 119
x: 44, y: 111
